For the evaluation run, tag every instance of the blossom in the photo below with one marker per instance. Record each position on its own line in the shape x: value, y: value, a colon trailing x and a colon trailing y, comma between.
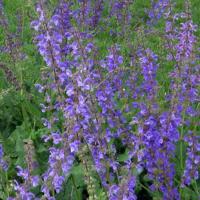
x: 3, y: 163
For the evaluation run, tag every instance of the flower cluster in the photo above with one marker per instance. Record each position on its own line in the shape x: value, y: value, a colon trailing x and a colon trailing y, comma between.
x: 193, y: 159
x: 29, y: 180
x: 3, y: 163
x: 158, y: 9
x: 97, y: 110
x: 23, y: 189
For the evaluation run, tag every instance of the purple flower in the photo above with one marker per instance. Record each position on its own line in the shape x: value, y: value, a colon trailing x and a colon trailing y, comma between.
x: 191, y: 171
x: 158, y: 9
x: 35, y: 181
x: 74, y: 146
x: 186, y: 42
x: 39, y: 87
x: 57, y: 182
x: 3, y: 163
x: 24, y: 173
x: 56, y: 137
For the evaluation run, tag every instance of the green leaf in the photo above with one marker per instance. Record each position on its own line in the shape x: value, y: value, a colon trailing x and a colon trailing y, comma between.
x: 123, y: 157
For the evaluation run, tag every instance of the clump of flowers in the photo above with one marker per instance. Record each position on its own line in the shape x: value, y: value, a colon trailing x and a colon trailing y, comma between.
x: 107, y: 117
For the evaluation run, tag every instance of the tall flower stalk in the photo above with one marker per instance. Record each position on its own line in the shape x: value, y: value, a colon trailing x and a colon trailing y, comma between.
x: 90, y: 98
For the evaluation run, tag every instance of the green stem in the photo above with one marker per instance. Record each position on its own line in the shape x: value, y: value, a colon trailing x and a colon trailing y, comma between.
x: 7, y: 189
x: 73, y: 181
x: 181, y: 149
x: 196, y: 188
x: 147, y: 189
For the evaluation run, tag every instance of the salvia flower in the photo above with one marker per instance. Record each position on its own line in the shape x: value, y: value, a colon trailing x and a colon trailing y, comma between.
x: 3, y: 163
x: 191, y: 171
